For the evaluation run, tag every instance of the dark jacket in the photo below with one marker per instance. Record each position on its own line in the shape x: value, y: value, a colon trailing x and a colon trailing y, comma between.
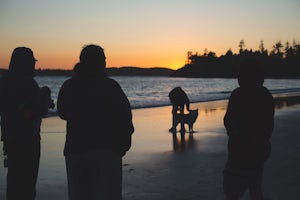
x: 249, y: 122
x: 21, y: 107
x: 98, y: 114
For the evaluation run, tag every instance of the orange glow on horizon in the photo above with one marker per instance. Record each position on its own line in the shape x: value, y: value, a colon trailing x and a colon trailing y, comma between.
x: 66, y: 59
x: 50, y: 58
x: 68, y: 64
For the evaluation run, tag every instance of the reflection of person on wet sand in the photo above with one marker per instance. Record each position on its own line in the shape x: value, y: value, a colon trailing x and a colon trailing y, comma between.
x: 249, y: 123
x: 178, y: 99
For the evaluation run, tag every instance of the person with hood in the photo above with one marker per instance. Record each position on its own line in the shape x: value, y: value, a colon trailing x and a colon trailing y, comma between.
x: 99, y: 128
x: 249, y: 122
x: 22, y: 107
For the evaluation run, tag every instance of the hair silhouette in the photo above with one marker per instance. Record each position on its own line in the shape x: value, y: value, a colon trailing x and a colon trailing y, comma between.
x: 22, y: 61
x: 250, y: 73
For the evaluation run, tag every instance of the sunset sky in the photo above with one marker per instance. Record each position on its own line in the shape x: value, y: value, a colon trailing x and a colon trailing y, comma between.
x: 142, y: 33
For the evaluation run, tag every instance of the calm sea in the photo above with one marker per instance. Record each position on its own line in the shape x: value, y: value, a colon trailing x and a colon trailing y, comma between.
x: 145, y: 92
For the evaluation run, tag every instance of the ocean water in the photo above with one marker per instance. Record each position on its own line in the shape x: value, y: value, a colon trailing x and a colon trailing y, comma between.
x: 144, y: 92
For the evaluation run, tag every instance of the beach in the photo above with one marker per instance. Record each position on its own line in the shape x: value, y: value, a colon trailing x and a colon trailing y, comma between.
x: 162, y: 166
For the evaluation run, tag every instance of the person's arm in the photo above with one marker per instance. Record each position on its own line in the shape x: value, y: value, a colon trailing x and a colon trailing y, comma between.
x: 1, y: 110
x: 230, y: 120
x: 125, y: 126
x: 188, y: 106
x: 174, y: 109
x: 270, y: 110
x: 187, y: 101
x: 63, y: 101
x: 1, y: 103
x: 34, y: 105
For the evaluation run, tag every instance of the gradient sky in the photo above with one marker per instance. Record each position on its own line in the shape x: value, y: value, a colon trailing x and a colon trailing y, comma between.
x: 143, y: 33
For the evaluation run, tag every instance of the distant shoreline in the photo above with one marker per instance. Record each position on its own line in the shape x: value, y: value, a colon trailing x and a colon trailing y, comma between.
x: 113, y: 71
x: 138, y: 71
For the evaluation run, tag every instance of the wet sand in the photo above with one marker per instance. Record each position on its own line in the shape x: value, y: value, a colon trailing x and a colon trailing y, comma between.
x: 161, y: 166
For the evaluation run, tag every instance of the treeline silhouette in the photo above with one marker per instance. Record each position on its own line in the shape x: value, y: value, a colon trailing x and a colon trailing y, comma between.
x: 283, y: 61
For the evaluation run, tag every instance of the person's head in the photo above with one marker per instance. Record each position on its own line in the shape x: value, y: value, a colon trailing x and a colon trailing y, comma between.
x: 250, y: 73
x: 93, y: 57
x: 22, y: 61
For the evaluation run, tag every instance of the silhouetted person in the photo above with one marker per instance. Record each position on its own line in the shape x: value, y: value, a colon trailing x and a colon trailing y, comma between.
x: 249, y: 122
x: 22, y: 107
x: 99, y: 129
x: 178, y: 99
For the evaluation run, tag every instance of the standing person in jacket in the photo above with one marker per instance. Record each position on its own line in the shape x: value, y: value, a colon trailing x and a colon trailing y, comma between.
x: 178, y: 99
x: 249, y: 122
x: 22, y: 107
x: 99, y: 128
